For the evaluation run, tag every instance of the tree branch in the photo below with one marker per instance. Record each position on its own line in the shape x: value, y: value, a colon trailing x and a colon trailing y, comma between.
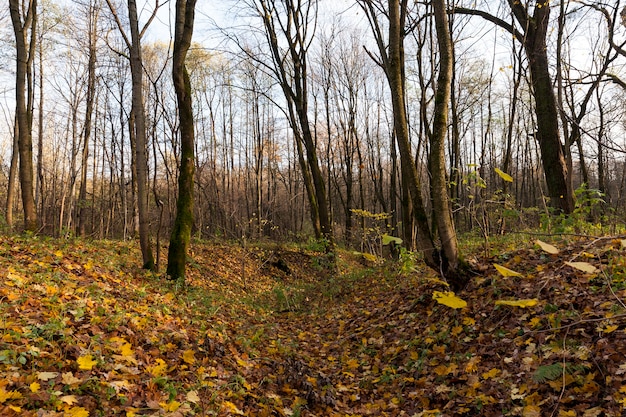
x: 491, y: 18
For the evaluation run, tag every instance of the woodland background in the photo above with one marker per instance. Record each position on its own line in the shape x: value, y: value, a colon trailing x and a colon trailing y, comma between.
x: 248, y: 181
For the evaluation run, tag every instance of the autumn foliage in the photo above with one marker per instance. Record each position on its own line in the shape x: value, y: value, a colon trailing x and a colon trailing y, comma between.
x: 270, y: 331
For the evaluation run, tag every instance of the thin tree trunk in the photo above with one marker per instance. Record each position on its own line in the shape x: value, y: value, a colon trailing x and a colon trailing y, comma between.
x: 12, y: 186
x: 91, y: 93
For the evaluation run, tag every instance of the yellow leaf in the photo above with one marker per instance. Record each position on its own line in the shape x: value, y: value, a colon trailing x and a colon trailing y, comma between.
x: 76, y: 412
x: 570, y: 413
x: 518, y: 303
x: 16, y: 408
x: 231, y: 408
x: 506, y: 272
x: 369, y: 257
x: 492, y: 373
x: 468, y: 321
x: 126, y: 349
x: 352, y: 364
x: 472, y: 364
x: 192, y: 397
x: 158, y: 369
x: 531, y: 411
x: 34, y: 387
x: 171, y: 406
x: 506, y: 177
x: 609, y: 328
x: 449, y: 299
x: 8, y: 395
x: 188, y: 357
x: 582, y: 266
x: 86, y: 362
x: 547, y: 247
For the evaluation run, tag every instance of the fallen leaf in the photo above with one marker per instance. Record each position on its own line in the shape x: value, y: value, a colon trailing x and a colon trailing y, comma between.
x: 552, y: 250
x: 171, y: 406
x: 68, y: 378
x: 86, y: 362
x: 582, y: 266
x: 232, y: 408
x: 76, y: 412
x: 192, y: 397
x: 188, y: 357
x: 449, y: 299
x: 518, y: 303
x: 506, y: 272
x: 46, y: 376
x: 69, y: 399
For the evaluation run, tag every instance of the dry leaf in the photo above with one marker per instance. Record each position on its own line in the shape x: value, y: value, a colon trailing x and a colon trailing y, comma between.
x: 546, y: 247
x: 506, y: 272
x: 582, y: 266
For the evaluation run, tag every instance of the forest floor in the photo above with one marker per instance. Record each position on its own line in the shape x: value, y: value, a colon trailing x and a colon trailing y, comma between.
x: 270, y: 330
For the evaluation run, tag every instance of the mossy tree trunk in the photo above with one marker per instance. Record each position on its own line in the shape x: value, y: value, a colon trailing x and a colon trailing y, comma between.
x: 181, y: 233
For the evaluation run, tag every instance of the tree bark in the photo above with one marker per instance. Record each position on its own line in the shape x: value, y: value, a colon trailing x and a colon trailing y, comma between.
x: 24, y: 115
x: 181, y: 233
x: 91, y: 93
x: 439, y: 185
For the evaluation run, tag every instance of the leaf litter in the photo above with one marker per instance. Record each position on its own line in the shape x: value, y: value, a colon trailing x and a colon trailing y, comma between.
x: 270, y: 331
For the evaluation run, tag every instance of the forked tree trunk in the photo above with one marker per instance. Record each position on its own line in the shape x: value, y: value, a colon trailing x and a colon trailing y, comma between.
x: 23, y: 112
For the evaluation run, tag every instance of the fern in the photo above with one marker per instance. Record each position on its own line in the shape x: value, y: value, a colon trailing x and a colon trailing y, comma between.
x: 551, y: 372
x: 548, y: 373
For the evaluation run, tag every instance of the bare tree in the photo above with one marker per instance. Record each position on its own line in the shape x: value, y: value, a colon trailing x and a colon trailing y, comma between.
x: 393, y: 62
x: 293, y: 23
x: 138, y: 128
x: 93, y: 11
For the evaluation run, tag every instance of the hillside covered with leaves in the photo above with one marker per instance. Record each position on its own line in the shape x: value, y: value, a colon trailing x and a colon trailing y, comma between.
x: 271, y: 330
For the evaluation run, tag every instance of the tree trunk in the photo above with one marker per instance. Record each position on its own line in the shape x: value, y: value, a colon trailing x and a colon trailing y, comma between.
x: 560, y: 189
x: 181, y: 233
x: 141, y: 158
x: 91, y: 93
x: 12, y: 187
x: 438, y: 180
x: 395, y: 76
x: 24, y: 115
